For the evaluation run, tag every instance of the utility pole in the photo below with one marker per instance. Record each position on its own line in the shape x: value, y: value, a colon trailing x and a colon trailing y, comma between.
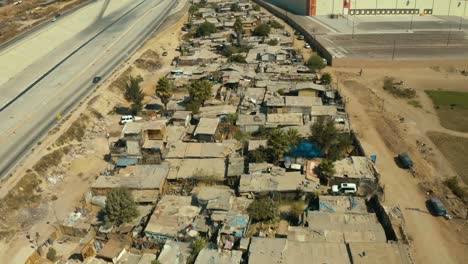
x: 354, y: 18
x: 461, y: 17
x: 450, y: 25
x: 412, y: 15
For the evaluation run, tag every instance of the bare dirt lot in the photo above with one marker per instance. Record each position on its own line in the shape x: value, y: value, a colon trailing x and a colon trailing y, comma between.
x: 53, y: 180
x: 386, y: 126
x: 15, y: 19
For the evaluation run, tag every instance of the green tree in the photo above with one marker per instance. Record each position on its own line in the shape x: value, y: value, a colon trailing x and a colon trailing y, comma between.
x: 156, y: 262
x: 273, y: 42
x: 235, y: 7
x: 263, y: 210
x: 278, y: 144
x: 239, y: 30
x: 258, y: 155
x: 134, y: 94
x: 326, y: 78
x: 52, y: 254
x: 297, y: 209
x: 164, y: 90
x: 196, y: 246
x: 275, y: 24
x: 238, y: 58
x: 120, y: 207
x: 205, y: 29
x: 232, y: 118
x: 193, y: 106
x: 200, y: 91
x: 256, y: 8
x: 326, y: 137
x: 315, y: 63
x: 327, y: 168
x: 262, y: 30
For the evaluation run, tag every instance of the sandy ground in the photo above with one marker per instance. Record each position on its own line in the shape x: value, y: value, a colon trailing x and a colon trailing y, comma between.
x: 80, y: 169
x: 376, y: 118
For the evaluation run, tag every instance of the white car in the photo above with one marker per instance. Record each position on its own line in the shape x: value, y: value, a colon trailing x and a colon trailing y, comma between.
x: 307, y: 46
x: 344, y: 188
x: 128, y: 119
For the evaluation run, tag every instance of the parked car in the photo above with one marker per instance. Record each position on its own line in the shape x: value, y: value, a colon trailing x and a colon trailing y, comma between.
x: 307, y: 46
x: 128, y: 119
x: 437, y: 207
x: 344, y: 188
x: 164, y: 53
x: 53, y: 19
x: 286, y: 33
x: 405, y: 160
x: 300, y: 37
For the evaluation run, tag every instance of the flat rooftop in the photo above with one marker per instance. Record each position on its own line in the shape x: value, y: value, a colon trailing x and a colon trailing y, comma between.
x: 139, y: 177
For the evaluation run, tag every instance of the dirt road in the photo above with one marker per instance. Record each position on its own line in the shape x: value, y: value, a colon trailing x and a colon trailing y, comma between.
x: 374, y: 116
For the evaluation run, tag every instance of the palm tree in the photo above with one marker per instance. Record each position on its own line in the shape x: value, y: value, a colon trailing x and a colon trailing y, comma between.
x: 278, y: 144
x: 293, y: 137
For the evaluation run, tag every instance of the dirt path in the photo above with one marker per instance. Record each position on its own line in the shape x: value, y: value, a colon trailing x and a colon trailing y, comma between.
x: 435, y: 240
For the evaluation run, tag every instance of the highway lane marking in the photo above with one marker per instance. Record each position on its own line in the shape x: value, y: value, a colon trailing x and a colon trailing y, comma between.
x: 67, y: 85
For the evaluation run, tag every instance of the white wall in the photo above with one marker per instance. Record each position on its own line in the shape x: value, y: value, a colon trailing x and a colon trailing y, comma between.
x: 441, y: 7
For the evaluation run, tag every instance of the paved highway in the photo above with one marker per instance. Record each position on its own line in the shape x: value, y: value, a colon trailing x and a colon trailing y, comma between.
x: 50, y: 71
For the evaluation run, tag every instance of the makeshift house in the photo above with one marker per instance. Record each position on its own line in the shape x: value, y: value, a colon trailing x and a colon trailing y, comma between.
x: 75, y: 224
x: 145, y: 182
x: 181, y: 118
x: 207, y: 130
x: 219, y: 257
x: 171, y: 218
x: 175, y: 252
x: 113, y: 251
x: 210, y: 169
x: 354, y: 169
x: 215, y: 198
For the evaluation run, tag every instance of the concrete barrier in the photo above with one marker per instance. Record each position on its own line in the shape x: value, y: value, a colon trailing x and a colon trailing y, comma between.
x: 289, y: 19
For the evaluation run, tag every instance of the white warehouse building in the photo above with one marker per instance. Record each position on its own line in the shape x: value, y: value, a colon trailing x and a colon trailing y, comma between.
x: 374, y: 7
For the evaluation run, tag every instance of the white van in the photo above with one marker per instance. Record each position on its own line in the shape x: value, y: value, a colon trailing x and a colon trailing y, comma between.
x: 344, y: 188
x: 126, y: 119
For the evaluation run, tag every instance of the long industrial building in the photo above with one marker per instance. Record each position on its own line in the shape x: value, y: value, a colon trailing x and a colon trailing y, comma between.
x: 374, y: 7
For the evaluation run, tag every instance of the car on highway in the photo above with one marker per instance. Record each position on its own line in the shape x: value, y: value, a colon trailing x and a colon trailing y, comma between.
x: 96, y: 79
x: 307, y: 46
x: 436, y: 207
x: 344, y: 188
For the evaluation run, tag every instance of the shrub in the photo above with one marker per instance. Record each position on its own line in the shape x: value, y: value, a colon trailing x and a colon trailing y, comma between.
x: 52, y: 254
x: 263, y: 210
x: 326, y: 78
x: 272, y: 42
x: 262, y: 30
x: 275, y: 24
x: 454, y: 186
x: 315, y: 63
x: 206, y: 29
x: 238, y: 58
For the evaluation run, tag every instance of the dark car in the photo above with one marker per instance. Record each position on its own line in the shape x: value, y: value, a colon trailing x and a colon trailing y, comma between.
x: 405, y: 160
x: 437, y: 207
x: 96, y: 79
x: 164, y: 53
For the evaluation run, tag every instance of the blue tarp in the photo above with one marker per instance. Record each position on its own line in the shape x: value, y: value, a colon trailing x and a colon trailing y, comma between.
x: 305, y: 149
x: 124, y: 162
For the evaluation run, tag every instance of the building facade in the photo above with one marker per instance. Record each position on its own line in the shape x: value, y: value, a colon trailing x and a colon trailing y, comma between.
x: 374, y: 7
